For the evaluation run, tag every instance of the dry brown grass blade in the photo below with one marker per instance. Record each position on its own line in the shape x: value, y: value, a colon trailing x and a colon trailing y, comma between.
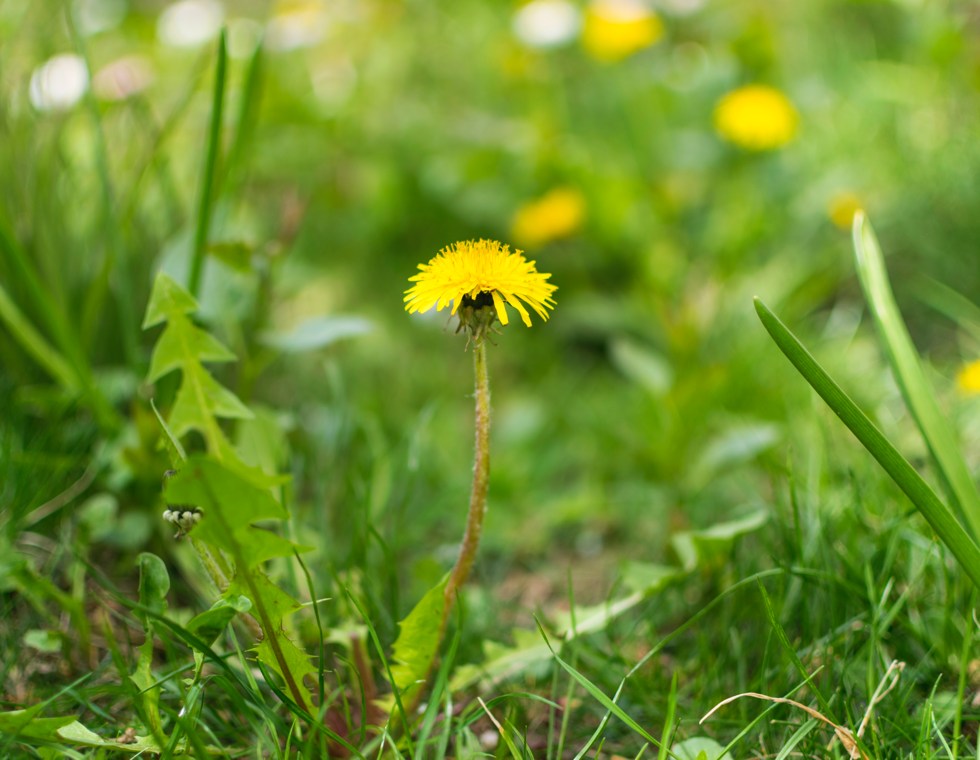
x: 842, y: 732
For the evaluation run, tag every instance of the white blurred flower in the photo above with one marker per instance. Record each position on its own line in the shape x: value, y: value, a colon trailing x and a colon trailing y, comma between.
x: 296, y: 24
x: 546, y: 23
x: 121, y: 78
x: 58, y: 83
x: 189, y: 23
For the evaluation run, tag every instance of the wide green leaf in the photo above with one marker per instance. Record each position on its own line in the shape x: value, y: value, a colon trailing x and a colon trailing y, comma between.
x: 418, y: 639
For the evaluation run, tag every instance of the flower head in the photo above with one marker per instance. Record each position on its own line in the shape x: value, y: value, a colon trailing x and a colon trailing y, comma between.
x: 756, y: 117
x: 615, y: 29
x: 557, y: 214
x: 479, y: 273
x: 968, y: 378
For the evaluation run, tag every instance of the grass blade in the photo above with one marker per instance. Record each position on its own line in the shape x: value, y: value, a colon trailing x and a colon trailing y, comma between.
x: 905, y: 364
x: 210, y: 166
x: 936, y: 513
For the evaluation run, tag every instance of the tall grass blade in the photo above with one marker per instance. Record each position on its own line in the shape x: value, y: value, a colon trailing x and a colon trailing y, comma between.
x: 918, y: 394
x: 210, y: 167
x: 937, y: 514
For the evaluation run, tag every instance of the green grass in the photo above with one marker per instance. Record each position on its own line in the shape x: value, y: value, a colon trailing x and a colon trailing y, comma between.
x: 674, y: 517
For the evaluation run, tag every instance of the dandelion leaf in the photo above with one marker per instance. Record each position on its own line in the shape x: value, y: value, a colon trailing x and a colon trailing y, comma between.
x: 710, y: 547
x: 64, y: 730
x: 168, y: 299
x: 201, y: 400
x: 153, y: 589
x: 418, y: 639
x: 699, y: 748
x: 232, y: 500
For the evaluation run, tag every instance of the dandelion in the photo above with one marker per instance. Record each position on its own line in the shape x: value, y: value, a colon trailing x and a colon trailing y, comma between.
x: 616, y: 29
x: 842, y: 208
x: 479, y: 277
x: 479, y: 273
x: 756, y: 117
x: 555, y: 215
x: 968, y: 378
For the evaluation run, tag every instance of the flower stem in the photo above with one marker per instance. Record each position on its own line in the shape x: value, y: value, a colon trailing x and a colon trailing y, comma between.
x: 481, y: 481
x: 474, y: 519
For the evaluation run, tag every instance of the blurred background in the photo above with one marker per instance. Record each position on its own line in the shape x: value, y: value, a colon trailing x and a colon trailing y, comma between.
x: 665, y: 161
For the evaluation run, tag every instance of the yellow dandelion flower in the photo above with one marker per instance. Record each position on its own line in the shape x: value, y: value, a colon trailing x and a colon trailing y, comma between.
x: 481, y: 273
x: 555, y: 215
x: 842, y: 208
x: 968, y: 378
x: 756, y: 117
x: 616, y: 29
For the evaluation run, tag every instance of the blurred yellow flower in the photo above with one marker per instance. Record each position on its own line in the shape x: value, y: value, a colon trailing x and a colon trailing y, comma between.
x: 615, y: 29
x: 467, y: 270
x: 756, y: 117
x: 557, y: 214
x: 842, y: 208
x: 968, y: 378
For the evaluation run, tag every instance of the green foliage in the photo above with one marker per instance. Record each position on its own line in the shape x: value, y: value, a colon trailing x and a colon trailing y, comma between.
x: 415, y: 649
x: 27, y: 725
x: 916, y: 389
x: 942, y: 519
x: 153, y: 589
x: 200, y: 400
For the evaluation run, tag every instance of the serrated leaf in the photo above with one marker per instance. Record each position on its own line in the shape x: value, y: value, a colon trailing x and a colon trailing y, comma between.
x: 43, y: 640
x: 210, y: 484
x: 530, y: 652
x: 64, y: 730
x: 418, y: 639
x: 698, y: 548
x: 699, y: 748
x: 199, y: 401
x: 737, y: 445
x: 231, y: 501
x: 182, y: 344
x: 208, y: 625
x: 317, y: 332
x: 167, y: 300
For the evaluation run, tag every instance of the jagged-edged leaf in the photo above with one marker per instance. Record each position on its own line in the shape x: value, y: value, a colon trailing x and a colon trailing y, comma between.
x: 200, y: 399
x: 317, y: 332
x: 530, y: 654
x: 65, y: 730
x: 232, y: 501
x: 698, y: 548
x: 418, y: 639
x: 699, y: 748
x: 208, y: 625
x: 182, y: 344
x: 737, y: 445
x: 167, y: 300
x: 231, y: 505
